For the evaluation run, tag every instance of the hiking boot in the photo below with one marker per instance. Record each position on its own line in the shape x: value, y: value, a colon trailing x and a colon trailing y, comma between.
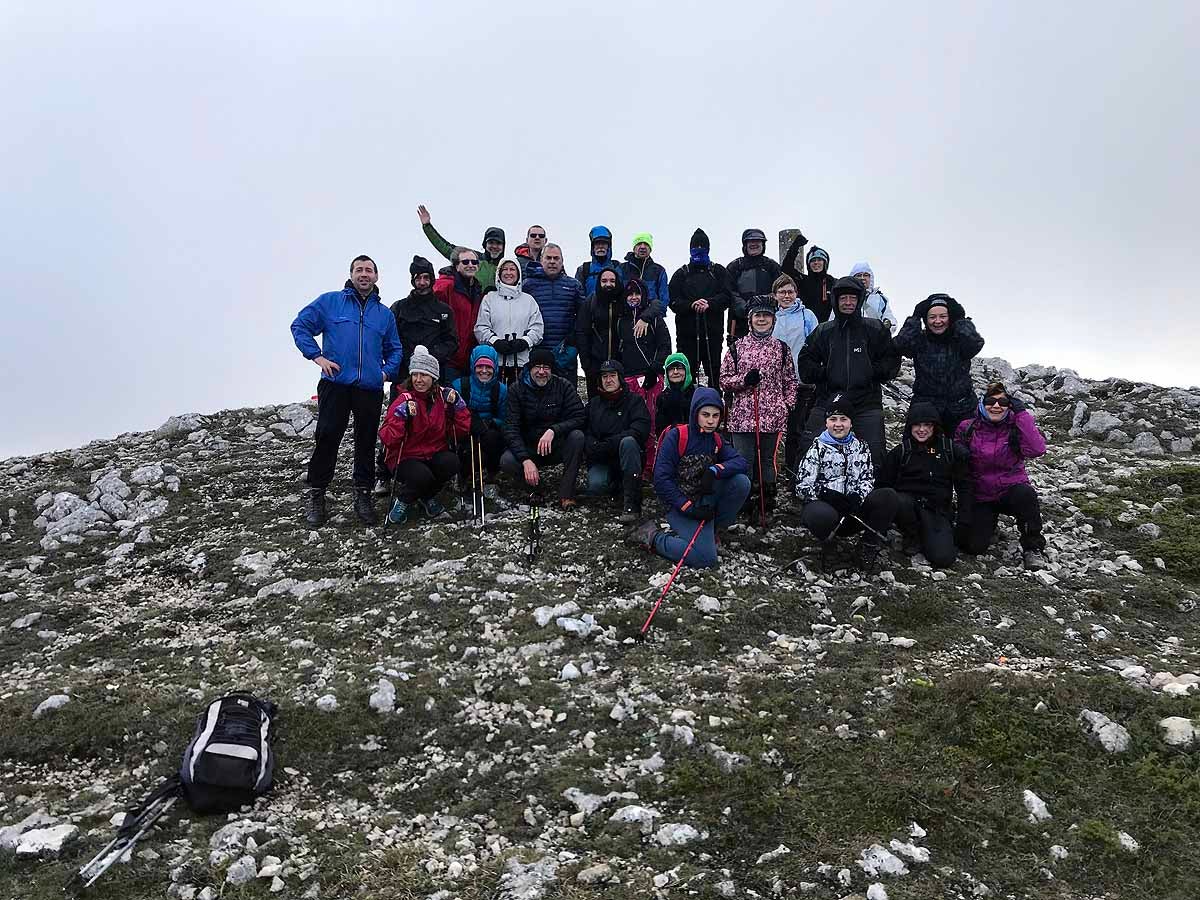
x: 400, y: 513
x: 432, y: 508
x: 1034, y: 560
x: 314, y: 515
x: 866, y: 557
x: 631, y: 490
x: 364, y: 507
x: 643, y: 535
x: 566, y: 504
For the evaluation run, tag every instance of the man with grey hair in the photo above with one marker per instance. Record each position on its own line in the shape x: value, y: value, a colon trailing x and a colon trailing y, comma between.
x: 559, y: 297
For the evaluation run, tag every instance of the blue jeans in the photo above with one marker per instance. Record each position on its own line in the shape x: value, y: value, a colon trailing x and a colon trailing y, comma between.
x: 729, y: 494
x: 604, y: 477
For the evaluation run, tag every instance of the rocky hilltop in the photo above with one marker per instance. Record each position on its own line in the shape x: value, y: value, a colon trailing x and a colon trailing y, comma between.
x: 459, y: 722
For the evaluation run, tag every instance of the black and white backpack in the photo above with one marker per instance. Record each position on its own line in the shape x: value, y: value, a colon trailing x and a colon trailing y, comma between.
x: 230, y: 760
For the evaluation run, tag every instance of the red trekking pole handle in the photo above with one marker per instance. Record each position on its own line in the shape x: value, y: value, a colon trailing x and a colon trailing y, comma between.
x: 671, y: 580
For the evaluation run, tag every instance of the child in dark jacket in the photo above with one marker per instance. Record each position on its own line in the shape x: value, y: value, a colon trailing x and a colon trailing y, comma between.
x: 674, y: 404
x: 702, y: 482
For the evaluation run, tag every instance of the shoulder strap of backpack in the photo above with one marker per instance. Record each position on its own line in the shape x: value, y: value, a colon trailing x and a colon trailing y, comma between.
x: 683, y: 439
x: 495, y: 397
x: 466, y: 390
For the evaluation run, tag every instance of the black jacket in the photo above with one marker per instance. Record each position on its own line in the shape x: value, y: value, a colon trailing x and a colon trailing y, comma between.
x: 424, y: 320
x: 611, y: 418
x: 597, y: 336
x: 815, y: 291
x: 649, y: 352
x: 850, y: 355
x: 531, y: 410
x: 693, y: 282
x: 942, y: 363
x: 930, y: 472
x: 748, y: 276
x: 673, y: 407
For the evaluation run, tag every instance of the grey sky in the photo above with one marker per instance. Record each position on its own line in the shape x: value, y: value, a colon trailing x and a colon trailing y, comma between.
x: 181, y: 178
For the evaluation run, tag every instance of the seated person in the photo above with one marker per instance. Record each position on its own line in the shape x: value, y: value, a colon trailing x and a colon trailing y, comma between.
x: 544, y: 426
x: 1000, y: 437
x: 702, y: 482
x: 487, y: 399
x: 416, y: 436
x: 926, y: 469
x: 618, y: 425
x: 836, y: 482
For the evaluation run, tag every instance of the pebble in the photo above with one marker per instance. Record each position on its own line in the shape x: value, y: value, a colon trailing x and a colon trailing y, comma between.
x: 1038, y: 811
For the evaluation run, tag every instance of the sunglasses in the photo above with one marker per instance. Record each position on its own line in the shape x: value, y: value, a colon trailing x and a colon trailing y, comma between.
x: 468, y: 262
x: 1002, y: 402
x: 533, y: 237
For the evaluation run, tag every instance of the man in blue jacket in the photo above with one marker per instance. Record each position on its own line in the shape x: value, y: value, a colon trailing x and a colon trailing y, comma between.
x: 360, y: 350
x: 559, y: 297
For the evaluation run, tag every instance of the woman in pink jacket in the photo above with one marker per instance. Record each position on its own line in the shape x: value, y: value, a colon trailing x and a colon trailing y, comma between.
x: 1001, y: 436
x: 760, y: 373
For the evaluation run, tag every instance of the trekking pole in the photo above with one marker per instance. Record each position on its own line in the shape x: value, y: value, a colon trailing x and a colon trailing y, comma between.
x: 483, y: 497
x: 762, y: 500
x: 698, y: 357
x: 671, y: 580
x: 881, y: 537
x: 708, y: 372
x: 535, y: 526
x: 471, y: 465
x: 123, y: 842
x: 392, y: 496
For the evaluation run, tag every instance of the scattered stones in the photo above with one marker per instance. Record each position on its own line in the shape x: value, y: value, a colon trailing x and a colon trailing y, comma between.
x: 878, y: 860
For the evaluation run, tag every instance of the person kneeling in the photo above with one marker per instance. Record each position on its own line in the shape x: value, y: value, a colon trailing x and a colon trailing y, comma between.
x: 544, y: 426
x: 618, y: 425
x: 416, y: 433
x: 926, y: 469
x: 487, y: 399
x: 701, y: 481
x: 836, y: 482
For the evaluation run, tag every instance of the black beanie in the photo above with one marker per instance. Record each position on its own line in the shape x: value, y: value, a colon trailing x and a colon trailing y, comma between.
x: 699, y: 240
x: 541, y: 356
x: 420, y: 265
x: 839, y: 405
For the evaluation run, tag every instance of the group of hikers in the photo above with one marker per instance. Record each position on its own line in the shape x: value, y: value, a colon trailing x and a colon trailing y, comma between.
x: 483, y: 360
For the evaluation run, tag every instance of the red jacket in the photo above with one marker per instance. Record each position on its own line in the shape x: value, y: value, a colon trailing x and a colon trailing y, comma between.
x: 450, y: 290
x: 426, y: 433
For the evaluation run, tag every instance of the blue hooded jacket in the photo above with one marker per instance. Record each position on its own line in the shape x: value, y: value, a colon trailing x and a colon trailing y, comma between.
x: 479, y: 400
x: 727, y: 462
x: 793, y: 326
x: 359, y: 335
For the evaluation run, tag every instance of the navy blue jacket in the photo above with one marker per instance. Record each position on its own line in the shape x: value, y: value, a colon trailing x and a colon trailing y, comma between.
x: 559, y: 300
x: 359, y: 335
x: 726, y: 462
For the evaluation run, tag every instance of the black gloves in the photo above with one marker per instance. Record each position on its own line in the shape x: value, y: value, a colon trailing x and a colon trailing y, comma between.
x: 707, y: 482
x: 956, y: 310
x: 520, y: 345
x: 503, y: 347
x: 478, y: 428
x: 649, y: 379
x: 701, y: 512
x: 921, y: 310
x: 752, y: 379
x: 838, y: 500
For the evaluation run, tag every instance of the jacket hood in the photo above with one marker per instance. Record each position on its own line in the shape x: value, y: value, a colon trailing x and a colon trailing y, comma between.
x: 493, y: 234
x: 481, y: 351
x: 921, y: 411
x: 523, y: 250
x: 861, y: 267
x: 704, y: 396
x: 640, y: 285
x: 682, y: 360
x: 848, y: 285
x: 617, y: 293
x: 815, y: 252
x: 699, y: 240
x: 600, y: 233
x: 754, y: 234
x: 508, y: 291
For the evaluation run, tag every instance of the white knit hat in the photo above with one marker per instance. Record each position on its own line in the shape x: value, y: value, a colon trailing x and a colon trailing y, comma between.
x: 424, y: 361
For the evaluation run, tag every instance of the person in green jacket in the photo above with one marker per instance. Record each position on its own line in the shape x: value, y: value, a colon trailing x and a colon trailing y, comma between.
x: 493, y: 248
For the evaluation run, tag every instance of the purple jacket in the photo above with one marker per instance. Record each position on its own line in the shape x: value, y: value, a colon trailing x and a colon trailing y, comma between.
x: 995, y: 466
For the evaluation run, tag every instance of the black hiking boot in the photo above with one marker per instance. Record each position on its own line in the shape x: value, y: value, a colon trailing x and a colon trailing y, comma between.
x: 866, y: 556
x: 314, y: 514
x: 631, y: 491
x: 364, y: 507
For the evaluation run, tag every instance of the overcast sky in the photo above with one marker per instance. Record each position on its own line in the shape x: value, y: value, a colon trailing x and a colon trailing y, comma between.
x: 181, y: 178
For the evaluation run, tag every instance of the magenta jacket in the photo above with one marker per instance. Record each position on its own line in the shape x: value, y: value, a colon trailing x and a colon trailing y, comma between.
x: 995, y: 465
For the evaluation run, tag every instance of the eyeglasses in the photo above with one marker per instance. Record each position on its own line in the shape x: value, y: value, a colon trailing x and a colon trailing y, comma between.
x: 534, y: 237
x: 468, y: 262
x: 1002, y: 402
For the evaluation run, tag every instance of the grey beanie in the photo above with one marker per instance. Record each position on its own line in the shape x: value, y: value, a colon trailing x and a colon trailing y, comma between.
x: 424, y: 361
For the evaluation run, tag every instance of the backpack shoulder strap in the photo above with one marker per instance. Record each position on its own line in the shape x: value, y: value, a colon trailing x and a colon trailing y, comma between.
x: 717, y: 438
x: 683, y: 439
x: 466, y: 390
x: 495, y: 397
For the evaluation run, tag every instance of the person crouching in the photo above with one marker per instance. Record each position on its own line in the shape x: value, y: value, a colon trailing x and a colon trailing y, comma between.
x: 702, y: 482
x: 836, y: 482
x: 618, y: 425
x: 417, y: 432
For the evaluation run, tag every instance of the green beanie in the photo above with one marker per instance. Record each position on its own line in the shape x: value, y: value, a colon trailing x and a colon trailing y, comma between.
x: 644, y: 237
x: 687, y: 367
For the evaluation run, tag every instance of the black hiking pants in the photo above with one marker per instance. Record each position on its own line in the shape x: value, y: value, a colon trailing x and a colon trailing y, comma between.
x: 1021, y: 502
x: 566, y: 449
x: 878, y: 510
x: 491, y: 445
x: 335, y: 404
x: 421, y: 479
x: 933, y: 530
